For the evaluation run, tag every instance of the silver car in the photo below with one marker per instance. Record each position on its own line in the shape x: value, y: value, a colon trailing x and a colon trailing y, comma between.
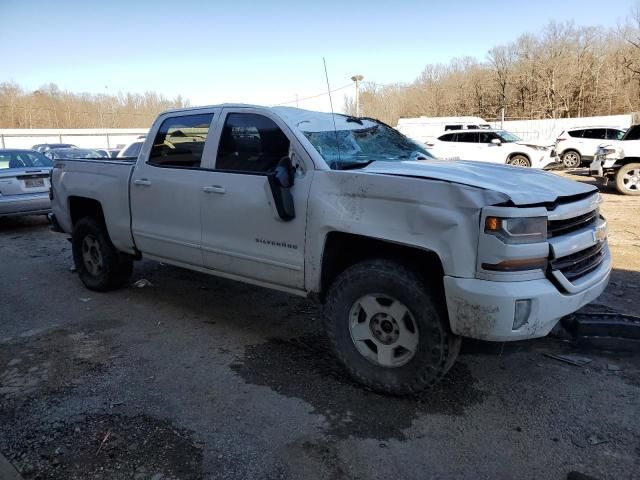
x: 24, y: 183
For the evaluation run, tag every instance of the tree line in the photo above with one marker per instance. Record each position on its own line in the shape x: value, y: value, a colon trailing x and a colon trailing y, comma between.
x: 564, y: 71
x: 51, y: 107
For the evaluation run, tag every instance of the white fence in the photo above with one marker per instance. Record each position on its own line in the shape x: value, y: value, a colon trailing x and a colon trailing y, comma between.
x: 549, y: 129
x: 81, y: 137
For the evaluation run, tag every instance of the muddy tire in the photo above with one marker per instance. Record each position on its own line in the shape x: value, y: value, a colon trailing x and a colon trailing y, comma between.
x: 100, y: 265
x: 519, y: 161
x: 628, y: 179
x: 388, y: 329
x: 571, y: 159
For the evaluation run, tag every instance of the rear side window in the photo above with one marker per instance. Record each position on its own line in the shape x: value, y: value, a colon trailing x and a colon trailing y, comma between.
x: 452, y: 127
x: 22, y: 159
x: 133, y: 150
x: 595, y: 133
x: 180, y: 141
x: 575, y: 133
x: 447, y: 138
x: 251, y: 143
x: 468, y: 137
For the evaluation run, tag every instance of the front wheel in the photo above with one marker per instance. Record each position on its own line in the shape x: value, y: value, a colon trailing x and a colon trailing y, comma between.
x: 99, y: 264
x: 519, y: 161
x: 387, y: 329
x: 628, y: 179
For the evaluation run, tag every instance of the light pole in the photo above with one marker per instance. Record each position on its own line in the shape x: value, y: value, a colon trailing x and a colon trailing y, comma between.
x: 357, y: 79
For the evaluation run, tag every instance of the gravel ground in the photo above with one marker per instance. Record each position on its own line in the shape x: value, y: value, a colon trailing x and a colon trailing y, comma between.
x: 197, y: 377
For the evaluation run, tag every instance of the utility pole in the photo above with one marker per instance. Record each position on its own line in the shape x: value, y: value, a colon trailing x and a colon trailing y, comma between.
x: 357, y: 79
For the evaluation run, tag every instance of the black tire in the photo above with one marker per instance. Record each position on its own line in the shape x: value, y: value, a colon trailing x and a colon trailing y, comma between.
x: 571, y: 159
x: 519, y: 160
x: 437, y: 348
x: 625, y: 182
x: 115, y: 267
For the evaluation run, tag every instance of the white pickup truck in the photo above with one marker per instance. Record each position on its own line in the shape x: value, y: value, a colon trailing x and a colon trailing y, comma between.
x: 407, y: 253
x: 619, y: 160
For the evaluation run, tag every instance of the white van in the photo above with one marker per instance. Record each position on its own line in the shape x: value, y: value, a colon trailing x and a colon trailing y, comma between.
x: 423, y: 129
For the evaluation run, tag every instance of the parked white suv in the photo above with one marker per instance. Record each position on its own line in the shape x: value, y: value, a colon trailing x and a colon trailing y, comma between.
x: 575, y: 145
x: 494, y: 146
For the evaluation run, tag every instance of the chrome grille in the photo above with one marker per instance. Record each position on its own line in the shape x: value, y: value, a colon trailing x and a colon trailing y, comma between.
x: 580, y: 263
x: 568, y: 225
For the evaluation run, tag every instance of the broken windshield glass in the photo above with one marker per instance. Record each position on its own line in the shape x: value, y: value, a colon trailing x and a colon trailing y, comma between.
x: 358, y: 147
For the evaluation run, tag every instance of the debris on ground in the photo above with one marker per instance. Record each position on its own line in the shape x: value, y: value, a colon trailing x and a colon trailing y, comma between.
x: 570, y: 359
x: 142, y: 283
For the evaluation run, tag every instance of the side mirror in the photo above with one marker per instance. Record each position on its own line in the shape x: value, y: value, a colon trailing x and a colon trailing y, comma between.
x: 280, y: 182
x: 496, y: 141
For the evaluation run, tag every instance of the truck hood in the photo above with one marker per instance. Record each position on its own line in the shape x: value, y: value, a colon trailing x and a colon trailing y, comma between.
x: 523, y: 186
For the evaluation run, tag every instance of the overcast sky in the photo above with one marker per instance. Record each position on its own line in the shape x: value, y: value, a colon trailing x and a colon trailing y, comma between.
x: 262, y: 52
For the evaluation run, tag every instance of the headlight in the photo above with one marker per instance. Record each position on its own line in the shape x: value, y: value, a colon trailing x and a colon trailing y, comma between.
x: 517, y: 230
x: 538, y: 147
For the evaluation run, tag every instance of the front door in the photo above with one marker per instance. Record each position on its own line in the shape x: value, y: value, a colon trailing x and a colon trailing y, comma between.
x: 242, y: 234
x: 167, y: 189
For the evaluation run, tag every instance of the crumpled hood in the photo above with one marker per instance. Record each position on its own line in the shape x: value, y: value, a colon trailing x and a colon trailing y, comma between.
x: 524, y: 186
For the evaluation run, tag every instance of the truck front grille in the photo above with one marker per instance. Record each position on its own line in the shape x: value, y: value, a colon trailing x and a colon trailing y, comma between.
x: 562, y: 227
x: 580, y: 263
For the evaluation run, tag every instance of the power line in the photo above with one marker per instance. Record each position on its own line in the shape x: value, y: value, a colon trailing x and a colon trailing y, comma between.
x: 312, y: 96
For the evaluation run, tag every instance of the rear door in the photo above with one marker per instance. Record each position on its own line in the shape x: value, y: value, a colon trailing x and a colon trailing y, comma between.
x: 242, y: 234
x: 167, y: 188
x: 591, y: 139
x: 467, y: 146
x: 23, y: 172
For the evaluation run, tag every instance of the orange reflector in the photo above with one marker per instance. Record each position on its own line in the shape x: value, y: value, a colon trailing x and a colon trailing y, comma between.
x: 491, y: 224
x: 516, y: 265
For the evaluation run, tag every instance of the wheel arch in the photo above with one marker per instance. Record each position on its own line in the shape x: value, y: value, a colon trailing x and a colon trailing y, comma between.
x: 342, y: 250
x: 80, y: 207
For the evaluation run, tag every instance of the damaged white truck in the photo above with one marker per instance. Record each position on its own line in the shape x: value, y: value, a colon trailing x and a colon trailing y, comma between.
x: 407, y: 253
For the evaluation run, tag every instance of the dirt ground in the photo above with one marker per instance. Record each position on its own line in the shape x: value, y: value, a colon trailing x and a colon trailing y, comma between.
x: 197, y: 377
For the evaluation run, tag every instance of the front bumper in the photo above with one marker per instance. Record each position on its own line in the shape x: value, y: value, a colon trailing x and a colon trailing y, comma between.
x: 484, y: 309
x: 27, y: 204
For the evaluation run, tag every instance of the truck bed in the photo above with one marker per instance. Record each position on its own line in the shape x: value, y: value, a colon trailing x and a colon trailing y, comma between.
x: 106, y: 181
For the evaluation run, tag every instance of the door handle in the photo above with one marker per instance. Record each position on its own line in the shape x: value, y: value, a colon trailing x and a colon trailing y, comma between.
x: 214, y: 189
x: 143, y: 182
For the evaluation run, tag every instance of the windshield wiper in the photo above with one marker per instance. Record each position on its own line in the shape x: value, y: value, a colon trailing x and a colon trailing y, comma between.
x: 353, y: 165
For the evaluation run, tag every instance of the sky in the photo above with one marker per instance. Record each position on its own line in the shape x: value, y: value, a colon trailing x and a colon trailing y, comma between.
x: 264, y: 52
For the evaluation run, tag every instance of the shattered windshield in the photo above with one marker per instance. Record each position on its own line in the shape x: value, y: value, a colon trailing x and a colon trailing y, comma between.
x: 367, y: 141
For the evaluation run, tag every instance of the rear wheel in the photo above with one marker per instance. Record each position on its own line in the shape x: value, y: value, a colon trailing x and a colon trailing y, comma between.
x: 571, y: 159
x: 387, y: 329
x: 99, y: 264
x: 519, y: 161
x: 628, y: 179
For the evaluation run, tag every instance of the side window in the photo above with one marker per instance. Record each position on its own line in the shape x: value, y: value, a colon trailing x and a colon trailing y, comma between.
x: 633, y: 133
x: 576, y: 133
x: 452, y: 127
x: 446, y: 138
x: 486, y: 137
x: 614, y: 134
x: 595, y: 133
x: 251, y: 143
x: 472, y: 127
x: 180, y: 141
x: 469, y: 137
